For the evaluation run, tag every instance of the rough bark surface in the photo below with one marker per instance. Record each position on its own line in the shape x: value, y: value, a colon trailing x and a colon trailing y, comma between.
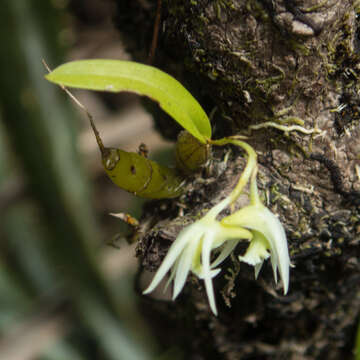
x: 291, y: 62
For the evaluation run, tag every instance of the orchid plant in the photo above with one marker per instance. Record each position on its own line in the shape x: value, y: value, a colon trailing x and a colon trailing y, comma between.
x: 192, y: 249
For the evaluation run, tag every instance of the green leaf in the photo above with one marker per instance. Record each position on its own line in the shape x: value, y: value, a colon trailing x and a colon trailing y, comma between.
x: 116, y: 76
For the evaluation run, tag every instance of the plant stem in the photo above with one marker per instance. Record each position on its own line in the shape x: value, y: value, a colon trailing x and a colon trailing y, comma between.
x: 250, y: 168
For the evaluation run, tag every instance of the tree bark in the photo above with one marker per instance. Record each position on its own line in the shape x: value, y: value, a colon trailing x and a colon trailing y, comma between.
x: 289, y: 62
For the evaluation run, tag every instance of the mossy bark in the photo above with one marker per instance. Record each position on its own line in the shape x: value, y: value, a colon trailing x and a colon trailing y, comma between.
x: 291, y: 63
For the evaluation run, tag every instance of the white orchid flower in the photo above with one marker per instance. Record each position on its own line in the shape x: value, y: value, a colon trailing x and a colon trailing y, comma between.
x: 268, y: 235
x: 191, y: 251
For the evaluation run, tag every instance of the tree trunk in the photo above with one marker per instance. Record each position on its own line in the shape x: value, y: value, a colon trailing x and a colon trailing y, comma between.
x: 284, y: 62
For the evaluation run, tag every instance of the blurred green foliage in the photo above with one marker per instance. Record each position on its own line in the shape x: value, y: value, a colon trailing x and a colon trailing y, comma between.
x: 49, y: 260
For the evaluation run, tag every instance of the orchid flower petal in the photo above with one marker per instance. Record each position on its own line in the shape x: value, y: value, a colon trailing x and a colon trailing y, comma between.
x: 172, y: 275
x: 205, y: 256
x: 274, y: 267
x: 258, y: 268
x: 184, y: 266
x: 225, y: 252
x: 175, y: 250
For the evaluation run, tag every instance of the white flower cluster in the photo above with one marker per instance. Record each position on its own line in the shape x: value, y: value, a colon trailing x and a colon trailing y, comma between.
x: 192, y: 249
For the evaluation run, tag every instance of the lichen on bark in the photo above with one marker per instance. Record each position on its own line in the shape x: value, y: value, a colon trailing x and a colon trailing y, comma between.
x: 288, y: 62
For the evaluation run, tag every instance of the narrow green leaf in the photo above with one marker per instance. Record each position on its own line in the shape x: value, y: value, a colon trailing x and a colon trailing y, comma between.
x: 116, y: 76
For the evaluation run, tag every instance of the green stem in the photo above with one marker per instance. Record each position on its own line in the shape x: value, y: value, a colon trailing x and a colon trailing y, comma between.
x: 250, y: 168
x: 254, y: 193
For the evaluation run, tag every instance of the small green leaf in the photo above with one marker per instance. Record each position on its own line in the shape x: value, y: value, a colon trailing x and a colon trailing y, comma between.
x: 116, y: 76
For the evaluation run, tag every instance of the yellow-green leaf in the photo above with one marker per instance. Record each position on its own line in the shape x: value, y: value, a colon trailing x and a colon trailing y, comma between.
x: 117, y: 75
